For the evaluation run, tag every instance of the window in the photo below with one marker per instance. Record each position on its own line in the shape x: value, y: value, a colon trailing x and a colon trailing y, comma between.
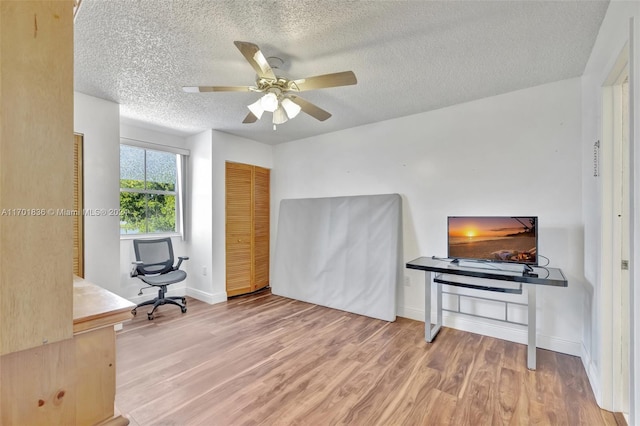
x: 150, y: 191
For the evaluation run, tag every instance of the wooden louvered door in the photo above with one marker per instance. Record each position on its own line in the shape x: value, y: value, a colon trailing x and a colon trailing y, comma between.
x: 78, y: 205
x: 261, y: 218
x: 247, y: 228
x: 239, y: 228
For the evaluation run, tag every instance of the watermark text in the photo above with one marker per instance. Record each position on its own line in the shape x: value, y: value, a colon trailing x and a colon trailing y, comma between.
x: 59, y: 212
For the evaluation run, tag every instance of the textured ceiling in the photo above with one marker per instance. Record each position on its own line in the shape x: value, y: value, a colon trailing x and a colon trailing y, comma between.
x: 409, y: 56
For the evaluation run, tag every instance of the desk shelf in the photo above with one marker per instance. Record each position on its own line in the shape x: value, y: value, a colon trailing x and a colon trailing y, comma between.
x: 479, y: 284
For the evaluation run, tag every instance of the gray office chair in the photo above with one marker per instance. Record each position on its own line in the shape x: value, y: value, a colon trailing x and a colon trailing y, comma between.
x: 154, y: 266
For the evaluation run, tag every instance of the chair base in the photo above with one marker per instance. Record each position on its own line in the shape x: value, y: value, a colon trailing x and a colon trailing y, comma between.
x: 162, y: 300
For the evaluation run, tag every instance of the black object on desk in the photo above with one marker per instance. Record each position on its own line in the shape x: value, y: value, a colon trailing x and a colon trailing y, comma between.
x: 447, y: 272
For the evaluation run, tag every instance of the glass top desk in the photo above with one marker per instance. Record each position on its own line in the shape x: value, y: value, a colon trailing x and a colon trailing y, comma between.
x: 487, y: 277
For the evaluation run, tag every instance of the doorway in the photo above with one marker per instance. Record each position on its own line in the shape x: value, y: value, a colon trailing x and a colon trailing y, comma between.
x: 247, y: 228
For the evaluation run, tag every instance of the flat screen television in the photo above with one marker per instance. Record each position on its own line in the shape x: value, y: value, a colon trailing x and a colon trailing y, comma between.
x: 493, y: 238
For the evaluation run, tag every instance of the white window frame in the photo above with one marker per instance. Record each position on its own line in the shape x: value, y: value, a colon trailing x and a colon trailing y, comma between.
x: 180, y: 190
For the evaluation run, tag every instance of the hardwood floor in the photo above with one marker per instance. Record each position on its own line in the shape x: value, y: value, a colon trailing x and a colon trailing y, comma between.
x: 268, y: 360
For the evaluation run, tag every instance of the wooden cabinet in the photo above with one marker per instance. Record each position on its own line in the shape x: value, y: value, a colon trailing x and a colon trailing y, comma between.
x: 37, y: 367
x: 247, y: 228
x: 39, y: 385
x: 72, y: 382
x: 95, y: 312
x: 56, y: 368
x: 36, y: 164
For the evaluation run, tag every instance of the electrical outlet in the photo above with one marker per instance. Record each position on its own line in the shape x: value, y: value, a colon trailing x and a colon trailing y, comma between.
x: 407, y: 281
x: 204, y: 271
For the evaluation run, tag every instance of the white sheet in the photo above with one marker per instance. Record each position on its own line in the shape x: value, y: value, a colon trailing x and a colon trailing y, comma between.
x: 341, y: 252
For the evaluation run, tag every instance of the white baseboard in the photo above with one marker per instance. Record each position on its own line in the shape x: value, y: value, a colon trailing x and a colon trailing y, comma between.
x: 557, y: 344
x: 487, y: 327
x: 592, y: 374
x: 206, y: 297
x: 182, y: 291
x: 411, y: 313
x: 512, y: 333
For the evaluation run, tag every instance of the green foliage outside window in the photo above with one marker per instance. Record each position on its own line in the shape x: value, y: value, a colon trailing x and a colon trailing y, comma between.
x: 147, y: 191
x: 146, y: 213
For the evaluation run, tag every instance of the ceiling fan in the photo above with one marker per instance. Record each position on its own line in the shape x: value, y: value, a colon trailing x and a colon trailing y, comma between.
x: 279, y: 93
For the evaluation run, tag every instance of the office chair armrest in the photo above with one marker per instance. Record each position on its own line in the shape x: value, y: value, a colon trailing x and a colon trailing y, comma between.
x: 180, y: 259
x: 134, y: 270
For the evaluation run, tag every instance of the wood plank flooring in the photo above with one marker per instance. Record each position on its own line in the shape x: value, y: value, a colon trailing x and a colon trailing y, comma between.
x: 268, y: 360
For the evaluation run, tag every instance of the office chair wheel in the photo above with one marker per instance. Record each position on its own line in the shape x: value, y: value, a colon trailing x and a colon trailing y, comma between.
x: 134, y: 312
x: 150, y: 316
x: 184, y: 310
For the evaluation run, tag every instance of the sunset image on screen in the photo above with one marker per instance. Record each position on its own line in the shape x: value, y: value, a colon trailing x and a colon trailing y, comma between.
x: 510, y: 239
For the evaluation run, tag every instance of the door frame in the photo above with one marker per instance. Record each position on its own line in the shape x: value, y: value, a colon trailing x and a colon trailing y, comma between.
x: 617, y: 243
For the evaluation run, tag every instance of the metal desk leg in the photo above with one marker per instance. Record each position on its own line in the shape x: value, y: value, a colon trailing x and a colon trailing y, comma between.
x: 531, y: 328
x: 431, y: 332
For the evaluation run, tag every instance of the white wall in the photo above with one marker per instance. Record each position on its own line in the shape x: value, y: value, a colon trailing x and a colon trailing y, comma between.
x: 209, y: 152
x: 513, y: 154
x: 199, y: 213
x: 107, y: 257
x: 99, y: 121
x: 129, y: 287
x: 613, y: 35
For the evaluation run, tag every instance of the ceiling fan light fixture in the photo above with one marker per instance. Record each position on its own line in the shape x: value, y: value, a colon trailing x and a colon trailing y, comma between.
x: 274, y: 90
x: 279, y: 116
x: 290, y: 107
x: 269, y: 102
x: 256, y: 108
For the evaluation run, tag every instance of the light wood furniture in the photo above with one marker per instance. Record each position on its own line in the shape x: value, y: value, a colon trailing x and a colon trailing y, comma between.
x: 94, y: 307
x: 37, y: 363
x: 247, y: 228
x: 36, y: 167
x: 56, y: 368
x: 70, y: 382
x: 95, y: 312
x: 37, y: 385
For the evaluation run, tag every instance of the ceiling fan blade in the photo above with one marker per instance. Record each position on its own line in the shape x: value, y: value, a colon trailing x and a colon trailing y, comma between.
x: 250, y: 118
x: 309, y: 108
x: 196, y: 89
x: 344, y: 78
x: 257, y: 60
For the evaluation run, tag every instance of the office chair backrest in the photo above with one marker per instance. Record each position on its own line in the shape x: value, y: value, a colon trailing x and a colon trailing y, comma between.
x: 156, y: 254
